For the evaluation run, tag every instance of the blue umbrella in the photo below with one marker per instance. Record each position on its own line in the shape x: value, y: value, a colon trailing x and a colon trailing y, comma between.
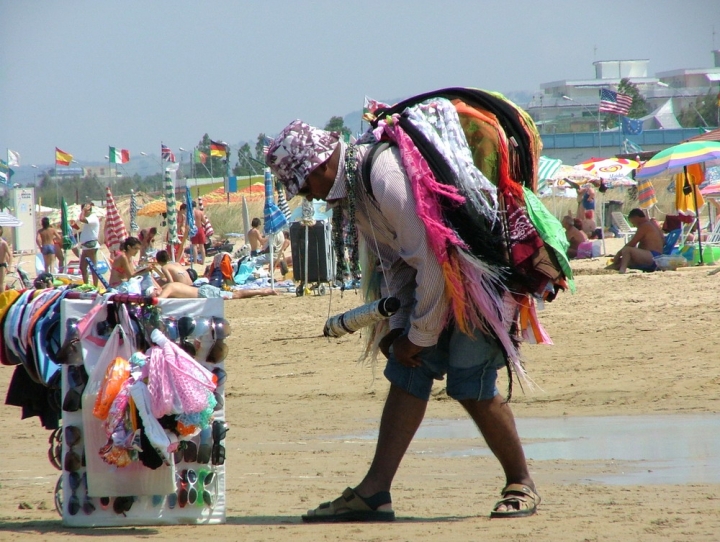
x: 275, y: 220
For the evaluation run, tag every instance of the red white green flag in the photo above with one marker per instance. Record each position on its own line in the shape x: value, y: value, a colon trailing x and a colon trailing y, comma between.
x: 118, y: 156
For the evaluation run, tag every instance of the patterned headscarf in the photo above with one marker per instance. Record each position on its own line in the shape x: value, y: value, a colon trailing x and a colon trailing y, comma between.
x: 297, y: 151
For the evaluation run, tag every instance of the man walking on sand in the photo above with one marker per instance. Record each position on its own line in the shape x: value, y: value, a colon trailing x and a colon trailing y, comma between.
x: 420, y: 349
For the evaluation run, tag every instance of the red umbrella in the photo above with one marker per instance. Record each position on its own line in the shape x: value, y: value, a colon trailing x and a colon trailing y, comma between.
x: 115, y: 232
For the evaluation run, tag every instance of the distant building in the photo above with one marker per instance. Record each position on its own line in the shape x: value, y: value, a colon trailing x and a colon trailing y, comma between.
x: 571, y: 105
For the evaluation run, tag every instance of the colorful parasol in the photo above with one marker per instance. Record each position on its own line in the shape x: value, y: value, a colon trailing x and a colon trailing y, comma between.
x: 609, y: 168
x: 547, y: 167
x: 673, y: 159
x: 646, y: 194
x: 115, y: 232
x: 133, y: 212
x: 154, y: 208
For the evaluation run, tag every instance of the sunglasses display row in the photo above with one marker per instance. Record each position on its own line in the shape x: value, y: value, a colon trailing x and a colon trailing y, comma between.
x: 157, y: 414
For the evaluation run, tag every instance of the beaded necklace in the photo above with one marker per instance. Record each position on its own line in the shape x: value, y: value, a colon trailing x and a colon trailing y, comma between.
x: 347, y: 229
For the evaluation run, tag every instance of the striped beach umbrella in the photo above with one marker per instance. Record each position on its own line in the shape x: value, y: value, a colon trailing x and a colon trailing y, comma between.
x: 675, y: 158
x: 275, y: 220
x: 171, y: 209
x: 133, y: 212
x: 209, y: 231
x: 115, y: 232
x: 646, y: 193
x: 282, y: 201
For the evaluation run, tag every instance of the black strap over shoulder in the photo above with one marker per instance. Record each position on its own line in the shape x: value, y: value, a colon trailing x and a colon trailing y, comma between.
x: 370, y: 157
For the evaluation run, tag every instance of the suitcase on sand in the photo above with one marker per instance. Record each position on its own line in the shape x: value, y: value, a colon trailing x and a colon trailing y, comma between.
x: 320, y: 255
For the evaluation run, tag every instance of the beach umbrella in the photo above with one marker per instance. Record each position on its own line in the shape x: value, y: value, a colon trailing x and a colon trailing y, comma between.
x: 688, y: 197
x: 133, y: 212
x: 547, y: 167
x: 245, y: 218
x: 73, y: 212
x: 646, y: 194
x: 209, y: 231
x: 676, y: 159
x: 282, y: 201
x: 609, y: 168
x: 190, y: 215
x: 171, y: 206
x: 275, y: 220
x: 67, y: 234
x: 153, y: 208
x: 115, y: 232
x: 9, y: 221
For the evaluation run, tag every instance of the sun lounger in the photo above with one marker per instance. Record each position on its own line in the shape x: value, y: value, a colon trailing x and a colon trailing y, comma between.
x: 623, y: 226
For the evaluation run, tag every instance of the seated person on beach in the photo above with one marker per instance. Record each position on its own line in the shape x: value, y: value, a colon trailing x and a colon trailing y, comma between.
x: 206, y: 291
x: 641, y: 250
x: 574, y: 236
x: 171, y: 271
x: 123, y: 268
x: 256, y: 239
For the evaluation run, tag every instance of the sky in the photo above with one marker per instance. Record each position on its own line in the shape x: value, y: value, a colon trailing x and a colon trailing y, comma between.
x: 83, y: 75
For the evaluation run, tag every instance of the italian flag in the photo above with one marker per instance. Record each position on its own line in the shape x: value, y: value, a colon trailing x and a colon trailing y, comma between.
x: 118, y: 156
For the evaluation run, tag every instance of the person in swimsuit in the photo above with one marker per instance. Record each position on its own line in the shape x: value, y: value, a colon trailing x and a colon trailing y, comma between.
x: 171, y: 271
x: 147, y: 238
x: 123, y: 268
x: 89, y: 240
x: 640, y: 251
x: 46, y: 238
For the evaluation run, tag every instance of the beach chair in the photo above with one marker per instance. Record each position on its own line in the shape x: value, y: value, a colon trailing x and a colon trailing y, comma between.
x: 622, y: 225
x: 670, y: 240
x: 713, y: 237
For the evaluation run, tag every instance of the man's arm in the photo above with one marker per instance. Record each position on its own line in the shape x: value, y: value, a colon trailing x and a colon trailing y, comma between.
x: 639, y: 236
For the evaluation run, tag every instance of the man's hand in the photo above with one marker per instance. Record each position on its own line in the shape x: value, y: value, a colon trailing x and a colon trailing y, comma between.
x: 406, y: 351
x: 387, y: 341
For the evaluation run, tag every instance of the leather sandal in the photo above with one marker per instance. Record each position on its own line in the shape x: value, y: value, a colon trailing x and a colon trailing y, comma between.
x: 350, y: 507
x: 521, y: 500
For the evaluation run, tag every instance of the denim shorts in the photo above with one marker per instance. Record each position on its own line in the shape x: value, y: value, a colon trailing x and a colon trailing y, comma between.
x: 470, y: 364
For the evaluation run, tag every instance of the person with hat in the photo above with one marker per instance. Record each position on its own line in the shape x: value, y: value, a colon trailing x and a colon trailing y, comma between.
x: 424, y: 344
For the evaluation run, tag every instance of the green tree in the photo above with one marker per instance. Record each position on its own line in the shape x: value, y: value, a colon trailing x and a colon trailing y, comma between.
x: 337, y: 124
x: 259, y: 146
x: 245, y: 166
x: 703, y: 111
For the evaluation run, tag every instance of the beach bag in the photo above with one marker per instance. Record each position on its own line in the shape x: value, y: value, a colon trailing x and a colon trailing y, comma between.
x: 103, y: 479
x: 221, y: 270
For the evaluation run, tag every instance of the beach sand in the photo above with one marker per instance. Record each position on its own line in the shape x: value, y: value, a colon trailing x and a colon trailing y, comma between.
x: 302, y: 413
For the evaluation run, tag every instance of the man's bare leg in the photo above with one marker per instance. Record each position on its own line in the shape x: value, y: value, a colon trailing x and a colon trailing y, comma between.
x: 636, y: 257
x: 401, y: 418
x: 496, y: 422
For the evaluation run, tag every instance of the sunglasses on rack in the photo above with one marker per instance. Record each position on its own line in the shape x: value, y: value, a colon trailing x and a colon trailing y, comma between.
x: 219, y: 431
x: 77, y: 379
x: 72, y: 462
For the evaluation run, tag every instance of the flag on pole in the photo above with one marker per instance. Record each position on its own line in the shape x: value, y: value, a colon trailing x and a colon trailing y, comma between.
x: 4, y: 172
x: 118, y: 156
x: 632, y: 126
x: 614, y: 102
x: 13, y: 158
x: 62, y: 158
x: 166, y: 153
x: 200, y: 157
x: 218, y: 148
